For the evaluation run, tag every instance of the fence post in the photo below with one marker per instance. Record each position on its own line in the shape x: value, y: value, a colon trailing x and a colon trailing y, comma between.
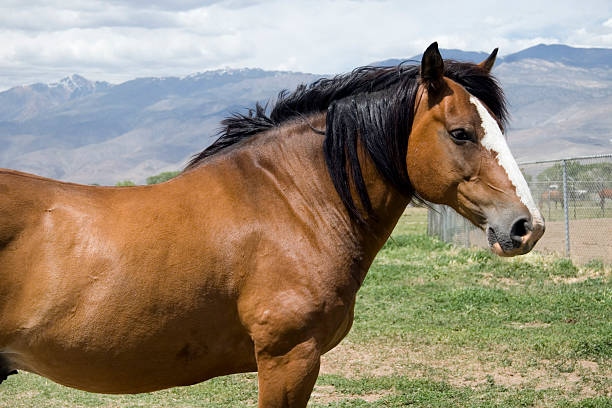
x: 443, y: 229
x: 566, y: 210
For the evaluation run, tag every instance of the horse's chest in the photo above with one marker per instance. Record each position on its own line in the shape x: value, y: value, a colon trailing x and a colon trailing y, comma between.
x: 341, y: 331
x: 288, y: 313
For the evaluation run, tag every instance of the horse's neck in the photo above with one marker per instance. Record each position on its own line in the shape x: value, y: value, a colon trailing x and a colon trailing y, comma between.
x: 293, y: 158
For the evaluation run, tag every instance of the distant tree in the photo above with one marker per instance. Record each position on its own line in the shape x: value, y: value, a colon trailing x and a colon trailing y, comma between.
x: 528, y: 177
x: 577, y: 171
x: 600, y: 172
x: 161, y: 177
x: 552, y: 174
x: 125, y: 183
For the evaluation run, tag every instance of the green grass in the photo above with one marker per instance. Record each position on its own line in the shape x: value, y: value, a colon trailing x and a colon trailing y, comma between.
x: 435, y: 326
x: 29, y: 390
x: 400, y: 391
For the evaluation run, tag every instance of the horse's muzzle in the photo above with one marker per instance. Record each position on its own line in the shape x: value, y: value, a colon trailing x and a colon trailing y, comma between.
x: 517, y: 239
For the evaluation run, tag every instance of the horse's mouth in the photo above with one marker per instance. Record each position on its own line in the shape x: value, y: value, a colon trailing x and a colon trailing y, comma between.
x: 510, y: 244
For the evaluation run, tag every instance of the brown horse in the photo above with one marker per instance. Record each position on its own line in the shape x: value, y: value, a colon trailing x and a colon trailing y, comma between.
x: 552, y: 196
x: 250, y: 260
x: 604, y: 194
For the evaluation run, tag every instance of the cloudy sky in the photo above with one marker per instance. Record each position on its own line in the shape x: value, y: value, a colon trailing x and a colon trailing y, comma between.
x: 112, y: 40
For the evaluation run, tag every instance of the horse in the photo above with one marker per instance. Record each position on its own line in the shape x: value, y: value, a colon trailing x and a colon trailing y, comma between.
x: 554, y: 196
x: 604, y: 194
x: 250, y: 259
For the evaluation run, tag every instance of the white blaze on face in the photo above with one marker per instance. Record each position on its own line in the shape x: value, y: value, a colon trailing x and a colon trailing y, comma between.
x: 495, y: 141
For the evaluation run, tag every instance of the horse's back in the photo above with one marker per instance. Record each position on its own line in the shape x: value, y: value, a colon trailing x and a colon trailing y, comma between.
x: 24, y: 201
x: 22, y: 195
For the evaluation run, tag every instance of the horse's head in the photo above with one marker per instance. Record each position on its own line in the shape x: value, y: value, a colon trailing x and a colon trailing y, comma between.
x: 457, y: 155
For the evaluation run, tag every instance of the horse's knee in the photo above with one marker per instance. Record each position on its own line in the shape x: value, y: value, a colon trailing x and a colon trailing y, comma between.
x: 286, y: 335
x: 287, y: 380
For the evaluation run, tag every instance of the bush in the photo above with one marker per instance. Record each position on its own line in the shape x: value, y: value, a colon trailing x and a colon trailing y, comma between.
x: 162, y: 177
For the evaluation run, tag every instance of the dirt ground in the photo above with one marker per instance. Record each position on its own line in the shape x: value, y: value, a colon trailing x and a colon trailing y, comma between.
x: 589, y: 239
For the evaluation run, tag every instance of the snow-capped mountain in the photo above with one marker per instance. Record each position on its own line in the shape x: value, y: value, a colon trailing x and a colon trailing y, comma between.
x: 95, y: 132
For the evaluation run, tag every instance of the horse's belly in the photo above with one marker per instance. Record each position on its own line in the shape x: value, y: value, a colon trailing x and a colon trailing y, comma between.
x: 97, y: 325
x: 102, y: 356
x: 134, y: 371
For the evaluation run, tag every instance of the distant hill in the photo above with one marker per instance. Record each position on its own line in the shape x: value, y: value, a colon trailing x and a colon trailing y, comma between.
x: 95, y: 132
x: 560, y: 100
x: 458, y: 55
x: 575, y: 57
x: 571, y: 56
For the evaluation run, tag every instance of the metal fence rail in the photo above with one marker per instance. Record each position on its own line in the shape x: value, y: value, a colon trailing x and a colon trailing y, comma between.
x: 574, y: 196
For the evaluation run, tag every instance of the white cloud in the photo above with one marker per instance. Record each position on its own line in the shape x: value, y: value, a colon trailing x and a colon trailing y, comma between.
x: 117, y: 40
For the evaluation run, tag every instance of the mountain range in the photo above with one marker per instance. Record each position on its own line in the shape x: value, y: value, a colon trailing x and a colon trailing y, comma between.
x: 560, y: 100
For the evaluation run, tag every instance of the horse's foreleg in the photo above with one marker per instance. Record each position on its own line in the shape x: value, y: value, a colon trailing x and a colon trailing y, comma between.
x: 287, y: 379
x: 5, y: 369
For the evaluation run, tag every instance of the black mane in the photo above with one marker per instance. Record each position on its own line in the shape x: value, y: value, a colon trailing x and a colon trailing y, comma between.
x: 372, y: 105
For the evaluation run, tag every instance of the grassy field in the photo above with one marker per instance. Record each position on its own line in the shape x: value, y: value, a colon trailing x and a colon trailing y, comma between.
x: 435, y: 326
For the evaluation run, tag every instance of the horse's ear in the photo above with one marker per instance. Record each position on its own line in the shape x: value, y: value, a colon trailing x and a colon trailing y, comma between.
x: 487, y: 64
x: 432, y: 68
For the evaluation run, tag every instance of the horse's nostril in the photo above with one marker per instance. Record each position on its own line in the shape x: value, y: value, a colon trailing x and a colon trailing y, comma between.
x: 519, y: 229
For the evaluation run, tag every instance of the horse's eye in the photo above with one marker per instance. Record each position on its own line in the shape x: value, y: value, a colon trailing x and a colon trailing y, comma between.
x: 461, y: 136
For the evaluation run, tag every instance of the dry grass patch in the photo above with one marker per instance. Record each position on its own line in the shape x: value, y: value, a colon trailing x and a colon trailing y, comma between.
x: 471, y: 368
x: 490, y: 280
x: 528, y: 325
x: 584, y: 274
x: 327, y: 394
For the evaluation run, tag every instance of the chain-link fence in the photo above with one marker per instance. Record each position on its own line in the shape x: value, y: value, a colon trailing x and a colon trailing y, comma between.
x: 574, y: 196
